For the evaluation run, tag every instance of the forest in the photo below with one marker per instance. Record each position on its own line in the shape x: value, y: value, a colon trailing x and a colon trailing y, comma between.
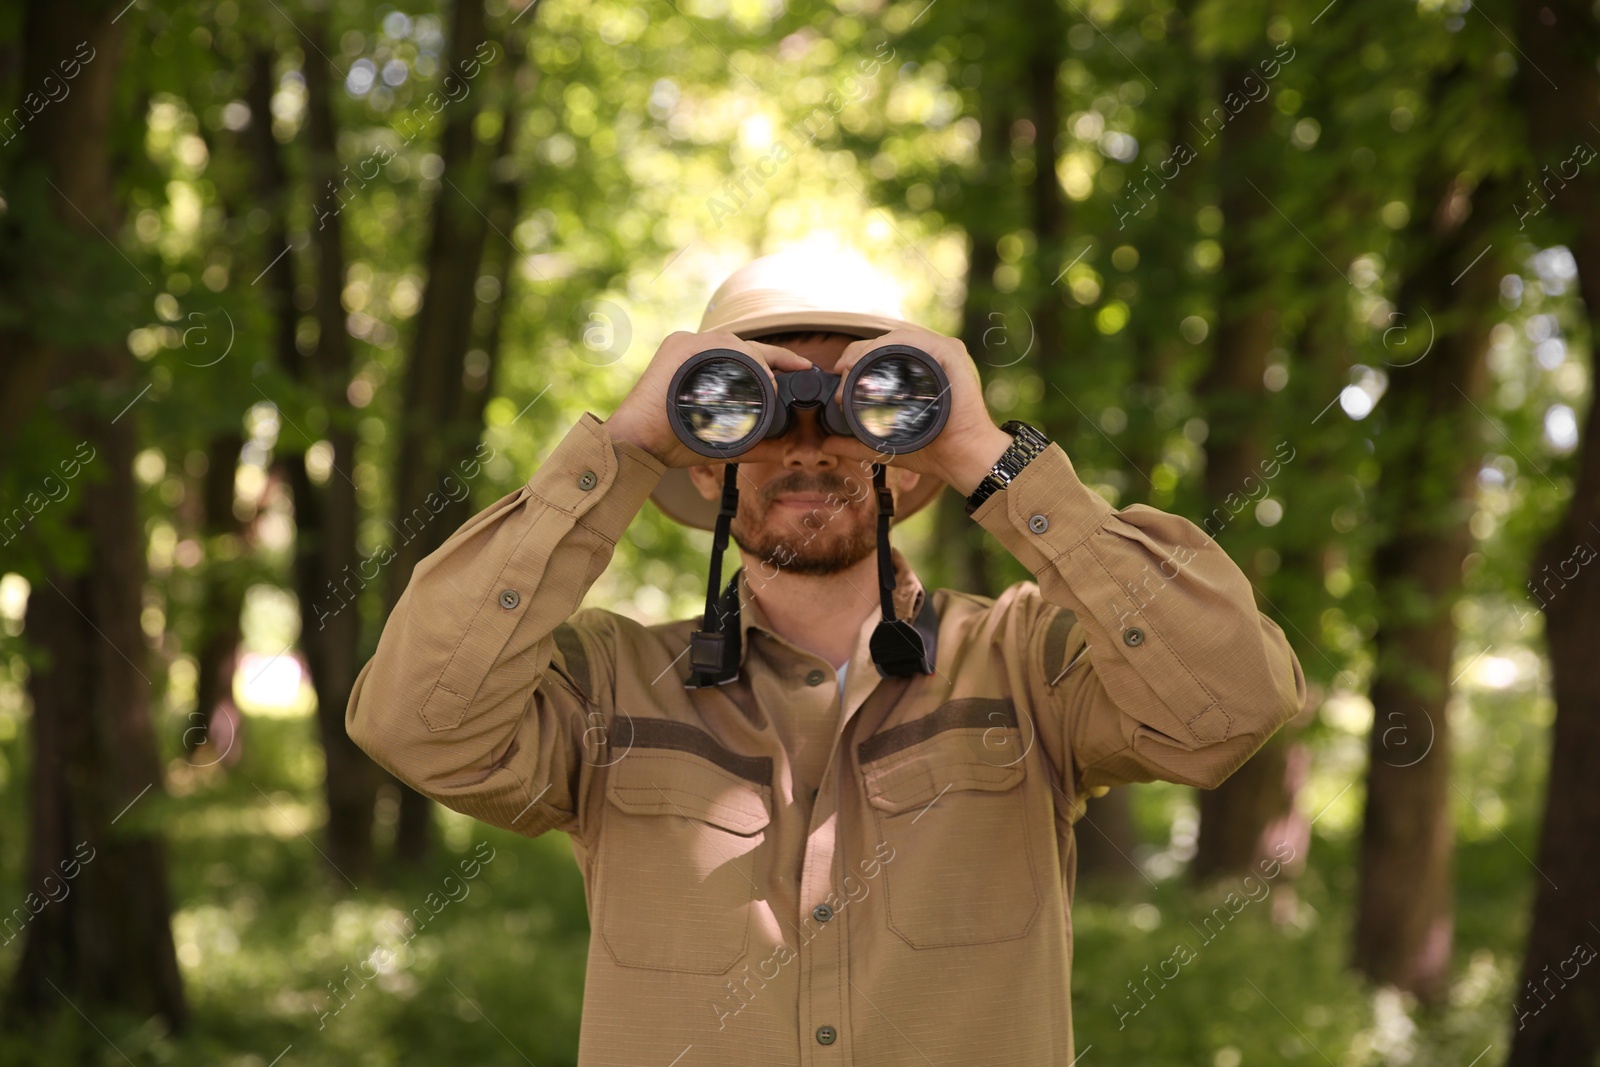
x: 289, y: 291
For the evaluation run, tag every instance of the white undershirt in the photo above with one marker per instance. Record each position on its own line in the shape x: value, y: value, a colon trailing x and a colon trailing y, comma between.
x: 841, y: 670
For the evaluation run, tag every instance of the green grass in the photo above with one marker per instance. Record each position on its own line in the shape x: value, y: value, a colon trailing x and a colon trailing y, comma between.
x: 496, y: 977
x: 1259, y: 991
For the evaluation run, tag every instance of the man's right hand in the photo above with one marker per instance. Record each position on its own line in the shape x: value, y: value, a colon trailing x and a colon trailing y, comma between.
x: 641, y: 418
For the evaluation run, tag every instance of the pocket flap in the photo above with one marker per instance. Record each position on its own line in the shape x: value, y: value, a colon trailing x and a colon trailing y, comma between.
x: 666, y: 782
x: 947, y: 762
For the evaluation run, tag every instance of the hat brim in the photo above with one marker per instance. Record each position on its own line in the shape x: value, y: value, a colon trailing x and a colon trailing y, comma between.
x: 676, y: 495
x: 861, y: 324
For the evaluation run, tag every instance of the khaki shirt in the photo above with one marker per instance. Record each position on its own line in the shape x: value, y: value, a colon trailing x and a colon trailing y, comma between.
x: 781, y: 874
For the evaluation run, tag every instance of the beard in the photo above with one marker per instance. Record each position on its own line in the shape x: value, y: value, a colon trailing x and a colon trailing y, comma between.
x: 832, y: 537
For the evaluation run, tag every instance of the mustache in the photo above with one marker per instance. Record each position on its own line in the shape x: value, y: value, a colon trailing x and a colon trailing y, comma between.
x: 844, y: 487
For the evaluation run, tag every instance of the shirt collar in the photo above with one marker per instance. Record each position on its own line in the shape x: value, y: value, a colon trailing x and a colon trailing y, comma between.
x: 908, y: 596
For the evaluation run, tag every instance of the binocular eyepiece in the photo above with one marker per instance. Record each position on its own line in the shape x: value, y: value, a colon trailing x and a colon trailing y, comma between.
x: 721, y: 402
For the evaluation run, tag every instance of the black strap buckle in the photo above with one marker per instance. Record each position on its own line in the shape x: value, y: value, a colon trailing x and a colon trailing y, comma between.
x: 714, y: 648
x: 900, y: 649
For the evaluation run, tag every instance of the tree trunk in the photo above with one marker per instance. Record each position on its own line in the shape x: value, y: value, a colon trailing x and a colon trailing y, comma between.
x: 69, y: 144
x: 451, y: 372
x: 430, y: 431
x: 272, y: 190
x: 1557, y: 1004
x: 967, y: 560
x: 1241, y: 820
x: 969, y: 566
x: 1558, y: 1012
x: 1106, y: 848
x: 1424, y: 498
x: 325, y: 577
x: 216, y: 721
x: 1163, y: 235
x: 1041, y: 91
x: 432, y: 391
x: 330, y: 623
x: 106, y: 940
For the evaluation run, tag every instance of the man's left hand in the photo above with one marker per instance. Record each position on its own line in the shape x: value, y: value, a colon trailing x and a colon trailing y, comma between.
x: 969, y: 444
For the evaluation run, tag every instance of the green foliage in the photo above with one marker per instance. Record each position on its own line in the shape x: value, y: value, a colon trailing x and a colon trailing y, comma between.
x: 274, y: 944
x: 645, y: 139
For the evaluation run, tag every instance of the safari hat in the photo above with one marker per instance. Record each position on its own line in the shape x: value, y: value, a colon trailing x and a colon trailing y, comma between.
x: 795, y: 290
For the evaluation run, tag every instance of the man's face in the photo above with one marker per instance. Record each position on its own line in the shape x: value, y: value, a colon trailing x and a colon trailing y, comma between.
x: 810, y: 512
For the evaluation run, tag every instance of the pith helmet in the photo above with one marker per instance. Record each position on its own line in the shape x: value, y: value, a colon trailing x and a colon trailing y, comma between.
x: 795, y: 290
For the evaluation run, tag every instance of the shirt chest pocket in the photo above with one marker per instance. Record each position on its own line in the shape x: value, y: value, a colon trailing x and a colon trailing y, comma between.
x: 676, y: 863
x: 946, y: 792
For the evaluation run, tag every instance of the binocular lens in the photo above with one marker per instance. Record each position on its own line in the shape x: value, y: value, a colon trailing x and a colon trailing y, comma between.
x: 897, y: 400
x: 721, y: 402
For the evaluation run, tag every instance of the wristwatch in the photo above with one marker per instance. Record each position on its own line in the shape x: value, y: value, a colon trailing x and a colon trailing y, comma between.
x: 1026, y: 443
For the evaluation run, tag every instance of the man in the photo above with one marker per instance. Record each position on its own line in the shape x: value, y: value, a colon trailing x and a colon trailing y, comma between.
x: 781, y: 870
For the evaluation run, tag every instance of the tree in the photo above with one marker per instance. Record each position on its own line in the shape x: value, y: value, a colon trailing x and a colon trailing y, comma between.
x: 1556, y: 1009
x: 1404, y: 924
x: 326, y: 516
x: 1237, y: 818
x: 108, y: 940
x: 450, y: 373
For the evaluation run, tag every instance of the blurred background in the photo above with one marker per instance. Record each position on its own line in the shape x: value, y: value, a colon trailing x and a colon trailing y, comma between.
x: 290, y: 290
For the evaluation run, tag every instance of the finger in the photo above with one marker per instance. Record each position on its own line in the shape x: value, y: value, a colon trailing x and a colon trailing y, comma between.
x: 777, y: 357
x: 771, y: 357
x: 848, y: 359
x: 856, y: 349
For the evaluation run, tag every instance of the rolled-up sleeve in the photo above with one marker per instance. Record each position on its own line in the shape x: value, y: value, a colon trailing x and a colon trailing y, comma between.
x: 459, y: 700
x: 1178, y: 676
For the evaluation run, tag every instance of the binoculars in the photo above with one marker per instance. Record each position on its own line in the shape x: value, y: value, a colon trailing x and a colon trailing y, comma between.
x: 721, y: 402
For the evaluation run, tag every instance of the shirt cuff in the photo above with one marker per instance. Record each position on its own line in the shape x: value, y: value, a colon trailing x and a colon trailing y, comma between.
x: 1045, y: 512
x: 599, y: 481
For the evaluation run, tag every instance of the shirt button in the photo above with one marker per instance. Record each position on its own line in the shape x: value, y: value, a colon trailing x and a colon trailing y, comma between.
x: 587, y: 481
x: 822, y: 913
x: 826, y: 1035
x: 815, y: 678
x: 1133, y: 636
x: 509, y: 598
x: 1038, y: 524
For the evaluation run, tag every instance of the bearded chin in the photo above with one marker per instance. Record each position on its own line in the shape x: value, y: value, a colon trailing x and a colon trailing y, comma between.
x: 806, y: 553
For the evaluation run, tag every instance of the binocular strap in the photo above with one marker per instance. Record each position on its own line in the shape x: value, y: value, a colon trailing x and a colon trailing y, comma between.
x: 714, y: 648
x: 899, y: 648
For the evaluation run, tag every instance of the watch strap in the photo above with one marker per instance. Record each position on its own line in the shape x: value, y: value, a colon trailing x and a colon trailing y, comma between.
x: 1026, y: 443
